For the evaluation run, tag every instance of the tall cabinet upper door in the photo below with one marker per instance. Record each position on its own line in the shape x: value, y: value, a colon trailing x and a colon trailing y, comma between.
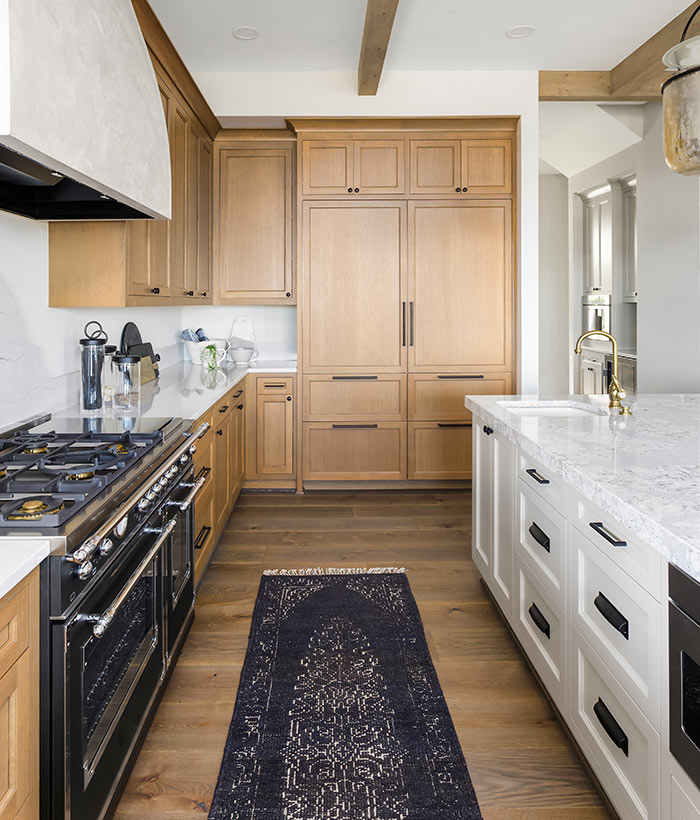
x: 327, y: 167
x: 461, y: 286
x: 204, y: 193
x: 436, y: 166
x: 379, y: 166
x: 254, y: 226
x: 354, y: 282
x: 487, y: 166
x: 179, y: 128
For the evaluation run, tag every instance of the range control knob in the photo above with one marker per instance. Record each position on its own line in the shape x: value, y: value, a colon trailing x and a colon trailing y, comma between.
x: 150, y: 495
x: 106, y: 546
x: 120, y: 529
x: 144, y: 504
x: 192, y: 450
x: 84, y: 570
x: 163, y: 482
x: 184, y: 458
x: 156, y: 488
x: 172, y: 472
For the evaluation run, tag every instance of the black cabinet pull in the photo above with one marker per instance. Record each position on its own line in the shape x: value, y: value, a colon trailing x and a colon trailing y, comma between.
x: 445, y: 424
x: 288, y: 295
x: 201, y: 539
x: 459, y: 190
x: 479, y: 376
x: 155, y: 290
x: 613, y: 729
x: 219, y: 432
x: 240, y: 406
x: 357, y: 190
x: 412, y: 323
x: 203, y: 293
x: 204, y: 472
x: 403, y: 325
x: 236, y: 395
x: 612, y: 615
x: 539, y: 620
x: 349, y: 190
x: 289, y: 398
x: 355, y: 426
x: 464, y: 190
x: 223, y: 409
x: 189, y: 293
x: 354, y: 378
x: 599, y: 527
x: 538, y: 478
x: 488, y: 431
x: 540, y: 536
x: 275, y: 385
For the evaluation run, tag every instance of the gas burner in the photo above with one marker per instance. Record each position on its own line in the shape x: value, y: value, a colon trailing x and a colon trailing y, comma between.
x: 32, y: 444
x: 32, y: 509
x: 79, y: 466
x: 3, y: 471
x: 121, y: 448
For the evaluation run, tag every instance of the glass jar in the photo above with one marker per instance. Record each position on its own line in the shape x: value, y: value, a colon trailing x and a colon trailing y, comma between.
x: 127, y: 383
x: 108, y: 376
x: 92, y: 354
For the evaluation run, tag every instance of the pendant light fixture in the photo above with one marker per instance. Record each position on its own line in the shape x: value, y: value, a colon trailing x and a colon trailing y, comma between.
x: 681, y: 96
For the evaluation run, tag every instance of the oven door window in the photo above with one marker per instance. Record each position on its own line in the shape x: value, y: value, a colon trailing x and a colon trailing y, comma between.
x: 180, y: 558
x: 690, y: 707
x: 112, y: 664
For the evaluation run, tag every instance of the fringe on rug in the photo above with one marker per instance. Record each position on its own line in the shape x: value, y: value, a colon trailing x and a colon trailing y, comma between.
x: 335, y: 571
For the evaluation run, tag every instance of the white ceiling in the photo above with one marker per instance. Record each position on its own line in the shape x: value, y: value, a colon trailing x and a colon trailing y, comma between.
x: 325, y: 35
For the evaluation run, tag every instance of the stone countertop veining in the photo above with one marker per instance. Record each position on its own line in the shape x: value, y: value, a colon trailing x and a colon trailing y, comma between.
x: 644, y: 469
x: 19, y: 558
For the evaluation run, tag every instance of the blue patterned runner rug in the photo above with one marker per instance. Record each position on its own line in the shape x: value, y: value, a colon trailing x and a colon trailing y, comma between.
x: 339, y: 714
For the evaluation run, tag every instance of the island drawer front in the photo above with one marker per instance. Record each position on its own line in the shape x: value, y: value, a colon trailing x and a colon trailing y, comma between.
x: 433, y: 397
x: 380, y: 397
x: 542, y: 481
x: 639, y: 560
x: 622, y: 747
x: 274, y: 384
x: 541, y: 541
x: 541, y: 628
x: 621, y: 621
x: 348, y: 451
x: 684, y: 806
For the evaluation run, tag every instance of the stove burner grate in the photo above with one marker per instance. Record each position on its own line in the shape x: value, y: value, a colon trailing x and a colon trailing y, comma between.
x: 32, y: 509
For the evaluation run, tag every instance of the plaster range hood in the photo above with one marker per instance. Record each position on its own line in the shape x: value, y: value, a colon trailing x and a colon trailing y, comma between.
x: 82, y: 128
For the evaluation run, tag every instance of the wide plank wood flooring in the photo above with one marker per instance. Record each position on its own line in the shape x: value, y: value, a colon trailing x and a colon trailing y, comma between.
x: 521, y: 762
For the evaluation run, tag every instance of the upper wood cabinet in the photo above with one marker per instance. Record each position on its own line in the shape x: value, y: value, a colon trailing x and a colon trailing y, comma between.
x: 461, y: 166
x: 253, y: 225
x: 353, y: 167
x: 354, y: 282
x: 145, y: 262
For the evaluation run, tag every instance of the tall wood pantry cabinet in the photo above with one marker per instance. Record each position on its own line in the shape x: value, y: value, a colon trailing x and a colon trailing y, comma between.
x: 406, y: 292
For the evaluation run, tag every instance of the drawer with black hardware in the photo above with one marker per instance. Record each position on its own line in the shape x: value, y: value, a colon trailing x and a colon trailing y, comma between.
x: 365, y: 397
x: 621, y: 745
x: 621, y: 621
x: 541, y: 540
x: 639, y: 560
x: 204, y: 535
x: 440, y: 397
x: 541, y: 628
x: 274, y: 384
x: 543, y: 482
x: 439, y: 450
x: 348, y: 450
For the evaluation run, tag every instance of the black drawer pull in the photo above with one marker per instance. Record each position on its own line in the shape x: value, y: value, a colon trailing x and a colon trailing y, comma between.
x: 539, y: 620
x: 204, y: 472
x: 612, y: 615
x: 538, y: 478
x: 488, y: 431
x: 540, y: 536
x: 403, y: 324
x: 446, y: 424
x: 236, y: 395
x: 201, y: 539
x: 355, y: 426
x: 354, y: 378
x: 480, y: 376
x: 274, y: 385
x: 223, y: 409
x: 599, y: 527
x: 612, y: 727
x: 240, y: 406
x: 219, y: 432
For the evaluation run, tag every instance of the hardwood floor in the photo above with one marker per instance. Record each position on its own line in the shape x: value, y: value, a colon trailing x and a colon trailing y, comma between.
x: 522, y: 765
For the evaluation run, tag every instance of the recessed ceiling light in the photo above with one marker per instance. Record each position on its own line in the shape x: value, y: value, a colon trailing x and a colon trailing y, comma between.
x: 246, y: 33
x: 520, y: 32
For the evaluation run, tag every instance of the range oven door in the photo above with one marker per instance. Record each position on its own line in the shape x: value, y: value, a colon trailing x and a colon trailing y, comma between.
x: 684, y: 671
x: 114, y: 659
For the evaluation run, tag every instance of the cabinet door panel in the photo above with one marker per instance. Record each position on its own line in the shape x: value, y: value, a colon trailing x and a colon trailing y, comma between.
x: 482, y: 498
x: 379, y: 166
x: 368, y: 398
x: 222, y: 474
x: 239, y: 433
x: 179, y: 127
x: 435, y: 166
x: 461, y: 283
x: 192, y: 212
x: 355, y: 452
x: 204, y: 213
x: 15, y: 743
x: 439, y: 450
x: 254, y: 225
x: 327, y: 167
x: 487, y: 166
x: 354, y: 284
x: 274, y: 435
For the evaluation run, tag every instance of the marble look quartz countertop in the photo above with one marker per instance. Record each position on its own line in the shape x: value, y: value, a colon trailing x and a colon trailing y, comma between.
x: 19, y: 558
x: 643, y: 469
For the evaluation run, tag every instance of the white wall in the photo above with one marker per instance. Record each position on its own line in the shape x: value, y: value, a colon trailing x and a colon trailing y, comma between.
x: 412, y: 94
x: 554, y: 284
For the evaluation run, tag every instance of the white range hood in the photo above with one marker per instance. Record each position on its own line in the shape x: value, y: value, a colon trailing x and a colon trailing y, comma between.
x: 78, y: 95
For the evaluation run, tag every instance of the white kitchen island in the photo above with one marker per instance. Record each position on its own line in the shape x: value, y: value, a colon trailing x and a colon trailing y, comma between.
x: 577, y: 514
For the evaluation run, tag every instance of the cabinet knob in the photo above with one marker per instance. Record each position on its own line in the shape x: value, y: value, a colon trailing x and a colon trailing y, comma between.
x: 459, y: 190
x: 155, y: 290
x: 190, y: 293
x: 357, y: 190
x: 288, y: 295
x: 349, y: 190
x: 464, y: 190
x: 203, y: 293
x: 289, y: 398
x: 219, y: 432
x: 239, y: 407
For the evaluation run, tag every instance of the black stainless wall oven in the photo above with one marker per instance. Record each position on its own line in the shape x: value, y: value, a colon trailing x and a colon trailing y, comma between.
x: 117, y: 591
x: 684, y: 670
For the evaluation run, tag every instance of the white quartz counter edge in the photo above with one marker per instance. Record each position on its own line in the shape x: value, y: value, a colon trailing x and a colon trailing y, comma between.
x: 674, y: 548
x: 19, y: 558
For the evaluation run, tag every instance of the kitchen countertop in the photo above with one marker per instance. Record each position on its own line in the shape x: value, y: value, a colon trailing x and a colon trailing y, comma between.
x: 644, y: 469
x: 19, y: 558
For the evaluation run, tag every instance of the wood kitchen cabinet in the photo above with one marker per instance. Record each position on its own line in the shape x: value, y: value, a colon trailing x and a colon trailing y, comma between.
x: 353, y: 451
x: 145, y: 261
x: 458, y: 167
x: 19, y: 700
x: 353, y: 167
x: 439, y: 450
x: 270, y: 460
x: 440, y: 397
x: 254, y: 223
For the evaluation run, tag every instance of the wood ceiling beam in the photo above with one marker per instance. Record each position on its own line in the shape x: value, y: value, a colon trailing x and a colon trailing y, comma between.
x: 578, y: 86
x: 379, y: 20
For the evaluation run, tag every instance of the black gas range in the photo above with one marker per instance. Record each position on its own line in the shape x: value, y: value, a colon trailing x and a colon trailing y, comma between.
x: 114, y: 497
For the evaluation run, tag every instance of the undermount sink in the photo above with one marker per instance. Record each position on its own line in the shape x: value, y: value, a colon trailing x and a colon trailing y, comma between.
x: 557, y: 409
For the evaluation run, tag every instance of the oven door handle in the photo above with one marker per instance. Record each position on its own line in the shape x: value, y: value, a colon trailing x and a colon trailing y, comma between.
x: 196, y: 487
x: 102, y: 622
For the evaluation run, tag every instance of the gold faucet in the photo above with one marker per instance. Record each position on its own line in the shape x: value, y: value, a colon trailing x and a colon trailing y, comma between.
x: 615, y: 390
